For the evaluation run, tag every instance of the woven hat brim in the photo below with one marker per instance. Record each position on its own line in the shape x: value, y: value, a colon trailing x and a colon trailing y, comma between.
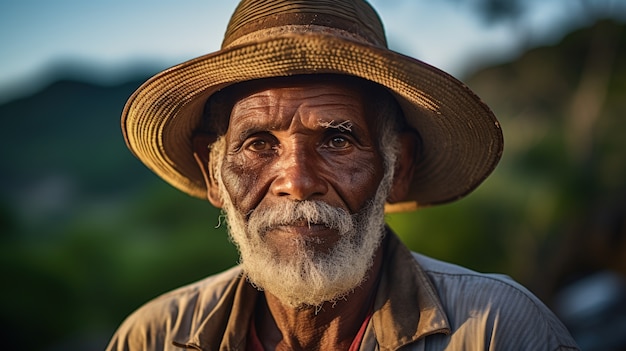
x: 461, y: 138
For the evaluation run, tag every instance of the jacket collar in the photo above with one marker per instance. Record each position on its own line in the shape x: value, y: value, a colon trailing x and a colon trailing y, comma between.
x: 404, y: 288
x: 407, y: 307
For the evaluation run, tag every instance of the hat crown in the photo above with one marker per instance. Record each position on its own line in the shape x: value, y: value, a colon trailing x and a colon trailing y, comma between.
x: 257, y: 19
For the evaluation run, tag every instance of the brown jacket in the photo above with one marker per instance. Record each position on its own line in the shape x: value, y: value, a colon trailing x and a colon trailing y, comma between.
x: 421, y: 304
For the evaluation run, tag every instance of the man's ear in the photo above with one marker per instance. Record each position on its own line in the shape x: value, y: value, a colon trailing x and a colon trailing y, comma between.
x: 405, y: 166
x: 201, y: 153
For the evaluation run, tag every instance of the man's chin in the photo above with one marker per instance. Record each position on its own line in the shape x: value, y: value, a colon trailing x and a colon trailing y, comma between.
x: 307, y: 300
x: 306, y: 281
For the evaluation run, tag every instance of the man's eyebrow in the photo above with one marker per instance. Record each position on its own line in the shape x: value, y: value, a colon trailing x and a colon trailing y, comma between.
x: 343, y: 126
x: 346, y: 126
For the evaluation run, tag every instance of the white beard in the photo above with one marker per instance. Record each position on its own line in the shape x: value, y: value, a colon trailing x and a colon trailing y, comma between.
x: 306, y: 277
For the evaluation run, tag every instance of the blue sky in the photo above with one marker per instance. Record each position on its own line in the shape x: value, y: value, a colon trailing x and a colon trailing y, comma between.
x: 109, y: 38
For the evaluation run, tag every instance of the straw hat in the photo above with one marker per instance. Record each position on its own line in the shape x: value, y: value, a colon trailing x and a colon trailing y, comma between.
x: 462, y: 140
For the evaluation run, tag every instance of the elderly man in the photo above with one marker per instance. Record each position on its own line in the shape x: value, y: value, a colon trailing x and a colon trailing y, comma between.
x: 304, y: 128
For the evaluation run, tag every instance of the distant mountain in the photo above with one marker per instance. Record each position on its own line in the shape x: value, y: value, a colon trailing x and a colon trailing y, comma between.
x: 68, y: 130
x: 80, y: 217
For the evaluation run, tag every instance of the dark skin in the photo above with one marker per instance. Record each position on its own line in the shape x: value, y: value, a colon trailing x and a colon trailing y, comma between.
x: 285, y: 143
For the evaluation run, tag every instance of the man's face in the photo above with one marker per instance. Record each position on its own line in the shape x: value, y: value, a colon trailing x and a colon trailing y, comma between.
x: 299, y: 177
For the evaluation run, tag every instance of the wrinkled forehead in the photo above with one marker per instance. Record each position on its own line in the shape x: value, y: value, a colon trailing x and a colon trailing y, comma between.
x: 219, y: 106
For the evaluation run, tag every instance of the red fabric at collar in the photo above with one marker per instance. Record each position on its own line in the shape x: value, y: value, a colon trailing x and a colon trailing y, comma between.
x: 356, y: 343
x: 253, y: 343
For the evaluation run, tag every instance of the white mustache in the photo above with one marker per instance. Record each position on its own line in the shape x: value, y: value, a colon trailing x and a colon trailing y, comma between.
x: 297, y: 213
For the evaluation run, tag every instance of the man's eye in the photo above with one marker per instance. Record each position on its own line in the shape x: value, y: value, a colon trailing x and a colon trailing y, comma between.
x: 259, y: 145
x: 338, y: 142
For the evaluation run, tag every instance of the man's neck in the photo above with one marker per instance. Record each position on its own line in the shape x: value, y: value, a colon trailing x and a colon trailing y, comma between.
x: 332, y: 326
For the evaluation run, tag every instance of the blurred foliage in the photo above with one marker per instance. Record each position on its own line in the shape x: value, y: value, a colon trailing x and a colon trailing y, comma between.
x: 88, y: 234
x: 555, y: 206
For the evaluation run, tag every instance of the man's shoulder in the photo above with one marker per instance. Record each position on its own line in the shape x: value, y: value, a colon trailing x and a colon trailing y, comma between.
x: 205, y: 292
x: 456, y: 283
x: 436, y: 268
x: 494, y: 304
x: 211, y: 286
x: 177, y: 312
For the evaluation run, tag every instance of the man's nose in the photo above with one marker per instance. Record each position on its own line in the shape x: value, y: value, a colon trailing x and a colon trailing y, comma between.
x: 299, y: 177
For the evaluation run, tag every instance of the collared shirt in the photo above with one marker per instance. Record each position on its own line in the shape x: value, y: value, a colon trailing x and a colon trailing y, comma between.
x: 420, y: 304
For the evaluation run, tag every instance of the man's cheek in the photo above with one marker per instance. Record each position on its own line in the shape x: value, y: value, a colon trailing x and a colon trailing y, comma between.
x: 242, y: 184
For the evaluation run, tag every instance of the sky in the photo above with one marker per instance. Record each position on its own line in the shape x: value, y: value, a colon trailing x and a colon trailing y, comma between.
x: 108, y: 39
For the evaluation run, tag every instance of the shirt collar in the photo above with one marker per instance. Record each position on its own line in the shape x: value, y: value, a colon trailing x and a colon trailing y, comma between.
x: 407, y: 307
x: 404, y: 288
x: 226, y: 327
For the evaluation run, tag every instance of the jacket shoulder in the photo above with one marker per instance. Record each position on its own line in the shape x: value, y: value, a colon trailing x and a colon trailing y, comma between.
x: 496, y: 306
x: 172, y: 315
